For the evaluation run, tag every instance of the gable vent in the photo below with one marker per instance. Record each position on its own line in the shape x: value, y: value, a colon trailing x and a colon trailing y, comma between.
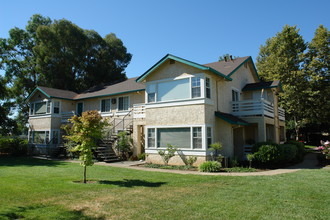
x: 172, y: 61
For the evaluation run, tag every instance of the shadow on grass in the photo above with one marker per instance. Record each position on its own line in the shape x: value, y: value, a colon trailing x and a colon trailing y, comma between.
x: 27, y: 161
x: 52, y: 212
x: 132, y: 183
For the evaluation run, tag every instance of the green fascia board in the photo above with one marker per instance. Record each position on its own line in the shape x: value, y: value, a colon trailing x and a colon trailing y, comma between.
x: 229, y: 121
x: 245, y: 61
x: 34, y: 91
x: 190, y: 63
x: 112, y: 94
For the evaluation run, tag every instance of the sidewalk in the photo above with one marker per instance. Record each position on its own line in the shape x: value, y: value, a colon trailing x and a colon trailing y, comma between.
x: 310, y: 162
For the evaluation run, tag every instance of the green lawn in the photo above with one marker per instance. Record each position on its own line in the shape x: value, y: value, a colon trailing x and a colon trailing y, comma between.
x: 39, y: 189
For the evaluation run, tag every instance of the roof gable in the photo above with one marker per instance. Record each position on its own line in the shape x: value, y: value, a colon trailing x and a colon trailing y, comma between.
x: 187, y: 62
x: 53, y: 93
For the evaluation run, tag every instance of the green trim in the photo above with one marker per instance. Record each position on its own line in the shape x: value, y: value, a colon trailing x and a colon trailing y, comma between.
x: 119, y: 93
x: 245, y: 61
x: 259, y: 88
x: 34, y: 91
x: 187, y: 62
x: 217, y: 114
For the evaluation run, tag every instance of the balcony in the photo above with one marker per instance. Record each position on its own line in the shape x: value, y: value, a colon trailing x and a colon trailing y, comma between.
x: 261, y: 107
x: 66, y: 115
x: 139, y: 111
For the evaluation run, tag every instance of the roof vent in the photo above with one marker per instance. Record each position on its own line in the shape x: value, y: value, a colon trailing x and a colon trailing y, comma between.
x: 172, y: 61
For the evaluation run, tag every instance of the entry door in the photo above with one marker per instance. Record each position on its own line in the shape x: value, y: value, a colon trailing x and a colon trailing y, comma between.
x: 80, y: 108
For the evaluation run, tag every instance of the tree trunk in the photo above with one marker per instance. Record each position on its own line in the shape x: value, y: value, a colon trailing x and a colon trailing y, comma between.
x: 84, y: 174
x: 296, y: 128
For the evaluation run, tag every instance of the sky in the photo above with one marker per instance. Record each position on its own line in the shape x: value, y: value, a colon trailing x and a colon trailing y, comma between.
x: 197, y: 30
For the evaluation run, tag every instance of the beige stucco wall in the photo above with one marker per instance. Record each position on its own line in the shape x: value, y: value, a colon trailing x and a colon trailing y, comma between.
x: 67, y: 105
x: 40, y: 123
x: 167, y: 70
x: 176, y: 115
x: 176, y: 160
x: 223, y: 132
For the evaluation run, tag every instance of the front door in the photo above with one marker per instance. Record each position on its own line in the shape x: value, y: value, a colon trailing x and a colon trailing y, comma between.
x: 80, y: 108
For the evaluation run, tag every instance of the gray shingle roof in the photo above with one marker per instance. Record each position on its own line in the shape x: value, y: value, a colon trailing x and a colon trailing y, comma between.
x: 228, y: 67
x: 58, y: 93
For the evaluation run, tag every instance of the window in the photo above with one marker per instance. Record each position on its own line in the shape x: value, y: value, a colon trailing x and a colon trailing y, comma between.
x: 48, y: 106
x: 208, y: 87
x: 235, y: 98
x: 197, y: 137
x: 32, y: 109
x: 173, y: 90
x: 56, y: 109
x: 123, y: 103
x: 151, y: 137
x: 106, y: 105
x: 179, y: 137
x: 40, y: 108
x: 151, y: 91
x: 196, y: 87
x: 40, y: 137
x: 209, y: 136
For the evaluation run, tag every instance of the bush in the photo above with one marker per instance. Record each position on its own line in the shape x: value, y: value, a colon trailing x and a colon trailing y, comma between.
x: 268, y: 155
x: 210, y: 166
x: 290, y: 152
x: 300, y: 149
x: 168, y: 153
x: 13, y: 146
x: 191, y: 160
x: 256, y: 146
x: 141, y: 156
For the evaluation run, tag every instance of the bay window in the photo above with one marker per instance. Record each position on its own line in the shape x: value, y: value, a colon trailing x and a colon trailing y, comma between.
x: 197, y: 137
x: 196, y: 87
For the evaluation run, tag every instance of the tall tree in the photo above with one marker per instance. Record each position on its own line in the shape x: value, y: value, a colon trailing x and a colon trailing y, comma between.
x: 317, y: 67
x: 61, y: 55
x: 281, y: 59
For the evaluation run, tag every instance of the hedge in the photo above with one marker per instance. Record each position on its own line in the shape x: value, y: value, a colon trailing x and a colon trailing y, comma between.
x: 13, y: 146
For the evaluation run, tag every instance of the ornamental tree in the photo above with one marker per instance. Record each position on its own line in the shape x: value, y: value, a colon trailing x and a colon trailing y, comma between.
x: 84, y: 133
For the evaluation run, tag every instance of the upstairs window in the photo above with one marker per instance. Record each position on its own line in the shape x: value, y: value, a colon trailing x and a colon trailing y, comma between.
x: 196, y: 87
x: 56, y: 108
x: 208, y: 88
x: 151, y: 91
x: 41, y: 108
x: 123, y: 103
x: 106, y: 105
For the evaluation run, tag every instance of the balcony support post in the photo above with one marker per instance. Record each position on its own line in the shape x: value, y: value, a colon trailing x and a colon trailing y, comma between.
x: 276, y: 118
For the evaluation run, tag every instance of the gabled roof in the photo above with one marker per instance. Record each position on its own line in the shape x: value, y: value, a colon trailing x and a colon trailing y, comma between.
x: 190, y: 63
x: 53, y: 93
x: 223, y: 69
x: 129, y: 85
x: 262, y: 85
x: 231, y: 119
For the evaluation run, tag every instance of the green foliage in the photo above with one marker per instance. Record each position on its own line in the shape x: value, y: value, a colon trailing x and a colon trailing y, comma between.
x: 13, y: 146
x: 191, y: 160
x: 250, y: 158
x: 124, y: 145
x: 300, y: 149
x: 256, y: 146
x: 85, y: 132
x: 210, y: 166
x: 233, y: 162
x: 290, y: 152
x: 57, y: 54
x: 141, y: 156
x: 168, y: 153
x: 268, y: 154
x: 215, y: 149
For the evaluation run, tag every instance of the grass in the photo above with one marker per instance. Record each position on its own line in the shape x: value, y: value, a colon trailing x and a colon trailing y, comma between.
x: 39, y: 189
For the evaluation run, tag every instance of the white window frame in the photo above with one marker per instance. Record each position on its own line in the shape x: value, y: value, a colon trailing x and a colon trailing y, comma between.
x: 204, y: 136
x: 110, y: 99
x: 41, y: 130
x: 48, y: 103
x: 208, y: 87
x: 128, y: 105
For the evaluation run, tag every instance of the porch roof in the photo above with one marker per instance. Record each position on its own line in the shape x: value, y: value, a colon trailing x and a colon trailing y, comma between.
x: 231, y: 119
x: 263, y: 85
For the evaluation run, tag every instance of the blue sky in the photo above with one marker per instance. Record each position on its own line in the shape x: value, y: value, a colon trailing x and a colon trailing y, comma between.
x: 197, y: 30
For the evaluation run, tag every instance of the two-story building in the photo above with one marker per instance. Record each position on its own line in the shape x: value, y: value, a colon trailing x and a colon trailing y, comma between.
x: 175, y: 102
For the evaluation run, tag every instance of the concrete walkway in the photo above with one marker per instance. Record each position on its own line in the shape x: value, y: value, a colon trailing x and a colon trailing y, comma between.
x: 310, y: 162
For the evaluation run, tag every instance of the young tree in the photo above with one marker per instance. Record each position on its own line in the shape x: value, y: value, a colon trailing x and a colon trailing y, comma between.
x: 281, y: 59
x: 84, y: 133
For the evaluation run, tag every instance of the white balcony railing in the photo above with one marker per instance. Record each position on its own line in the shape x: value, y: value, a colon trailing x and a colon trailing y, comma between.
x: 66, y: 115
x: 255, y: 108
x: 139, y: 111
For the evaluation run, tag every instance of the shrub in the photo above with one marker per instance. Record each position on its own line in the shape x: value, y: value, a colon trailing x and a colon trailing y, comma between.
x: 13, y: 146
x: 191, y: 160
x: 268, y: 154
x: 215, y: 149
x: 168, y: 153
x: 124, y: 145
x: 300, y: 149
x: 256, y: 146
x: 290, y: 152
x: 210, y: 166
x: 141, y: 156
